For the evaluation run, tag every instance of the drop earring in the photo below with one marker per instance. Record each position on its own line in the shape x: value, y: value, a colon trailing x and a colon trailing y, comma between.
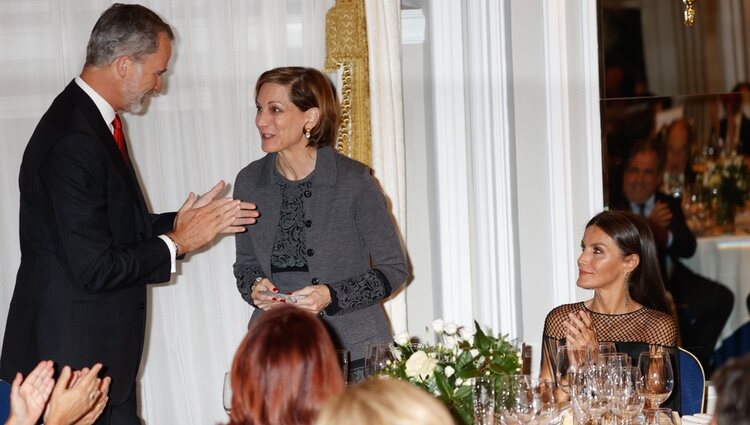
x: 307, y: 132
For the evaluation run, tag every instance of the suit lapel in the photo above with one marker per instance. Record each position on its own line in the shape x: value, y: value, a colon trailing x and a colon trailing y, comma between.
x: 105, y: 137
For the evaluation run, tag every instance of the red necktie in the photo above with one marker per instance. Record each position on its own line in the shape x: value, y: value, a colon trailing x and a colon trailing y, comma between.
x: 119, y: 136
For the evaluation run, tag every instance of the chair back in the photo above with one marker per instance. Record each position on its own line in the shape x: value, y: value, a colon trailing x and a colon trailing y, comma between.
x: 4, y: 401
x: 692, y: 383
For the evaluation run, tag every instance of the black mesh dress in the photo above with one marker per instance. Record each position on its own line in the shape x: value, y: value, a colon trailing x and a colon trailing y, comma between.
x: 632, y: 333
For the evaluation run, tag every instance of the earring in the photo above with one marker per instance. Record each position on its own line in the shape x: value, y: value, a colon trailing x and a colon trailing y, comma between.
x: 307, y: 132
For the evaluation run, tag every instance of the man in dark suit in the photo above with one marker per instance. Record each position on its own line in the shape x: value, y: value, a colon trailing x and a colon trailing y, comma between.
x: 703, y: 306
x: 734, y: 128
x: 89, y: 245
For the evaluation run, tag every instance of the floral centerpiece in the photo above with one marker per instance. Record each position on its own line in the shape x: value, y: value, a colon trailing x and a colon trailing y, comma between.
x: 447, y: 368
x: 726, y: 178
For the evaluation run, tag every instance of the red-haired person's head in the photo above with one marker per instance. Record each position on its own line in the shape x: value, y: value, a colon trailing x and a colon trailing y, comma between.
x: 284, y: 371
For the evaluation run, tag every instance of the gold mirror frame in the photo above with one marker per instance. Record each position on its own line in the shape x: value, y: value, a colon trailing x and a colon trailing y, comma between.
x: 346, y: 55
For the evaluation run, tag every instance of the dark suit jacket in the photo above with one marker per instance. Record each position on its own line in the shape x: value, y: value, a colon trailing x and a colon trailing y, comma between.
x: 744, y: 144
x: 683, y: 240
x: 88, y: 249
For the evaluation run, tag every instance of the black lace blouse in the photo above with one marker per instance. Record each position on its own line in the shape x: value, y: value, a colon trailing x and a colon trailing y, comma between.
x: 632, y: 333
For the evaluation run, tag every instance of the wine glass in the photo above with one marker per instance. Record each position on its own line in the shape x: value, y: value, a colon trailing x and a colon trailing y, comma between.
x: 662, y: 416
x: 627, y: 394
x: 377, y: 357
x: 516, y: 400
x: 343, y: 358
x: 226, y: 396
x: 603, y: 349
x: 483, y: 400
x: 657, y: 376
x: 545, y: 405
x: 570, y: 359
x: 589, y: 393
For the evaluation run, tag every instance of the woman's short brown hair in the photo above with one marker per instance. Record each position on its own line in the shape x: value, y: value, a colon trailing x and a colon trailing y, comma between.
x: 308, y: 88
x: 284, y: 370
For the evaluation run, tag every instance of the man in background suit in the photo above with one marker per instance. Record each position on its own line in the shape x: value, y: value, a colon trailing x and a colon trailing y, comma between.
x: 703, y: 306
x: 89, y: 245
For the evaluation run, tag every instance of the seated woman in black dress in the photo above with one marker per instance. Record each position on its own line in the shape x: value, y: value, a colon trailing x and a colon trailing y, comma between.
x: 619, y: 262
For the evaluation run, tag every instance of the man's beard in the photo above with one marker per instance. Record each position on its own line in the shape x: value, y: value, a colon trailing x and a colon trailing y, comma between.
x: 137, y: 105
x: 138, y: 102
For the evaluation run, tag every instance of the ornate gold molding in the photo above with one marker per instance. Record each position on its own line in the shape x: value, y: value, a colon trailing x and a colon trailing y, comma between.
x: 346, y: 54
x: 689, y: 12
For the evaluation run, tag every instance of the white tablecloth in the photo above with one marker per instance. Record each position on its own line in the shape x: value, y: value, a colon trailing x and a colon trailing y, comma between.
x: 726, y: 259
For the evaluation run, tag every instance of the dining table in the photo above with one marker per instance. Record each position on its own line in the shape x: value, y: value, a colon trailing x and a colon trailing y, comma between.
x: 726, y: 259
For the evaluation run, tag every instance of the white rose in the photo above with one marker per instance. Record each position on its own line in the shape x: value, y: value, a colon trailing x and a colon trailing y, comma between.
x: 450, y: 328
x: 437, y: 326
x: 449, y: 341
x: 402, y: 339
x: 449, y: 371
x: 466, y: 334
x: 420, y: 365
x: 459, y: 381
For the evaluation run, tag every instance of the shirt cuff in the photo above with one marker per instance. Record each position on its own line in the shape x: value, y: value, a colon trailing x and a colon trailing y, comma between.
x: 172, y: 253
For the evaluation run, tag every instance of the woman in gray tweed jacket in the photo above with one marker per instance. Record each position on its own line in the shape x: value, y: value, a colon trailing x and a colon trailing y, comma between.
x: 325, y: 235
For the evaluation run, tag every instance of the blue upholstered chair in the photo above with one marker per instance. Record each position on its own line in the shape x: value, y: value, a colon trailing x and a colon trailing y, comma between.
x: 4, y: 401
x: 692, y: 383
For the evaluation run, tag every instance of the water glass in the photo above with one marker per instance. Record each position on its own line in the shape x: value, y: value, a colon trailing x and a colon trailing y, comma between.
x: 343, y: 358
x: 483, y: 400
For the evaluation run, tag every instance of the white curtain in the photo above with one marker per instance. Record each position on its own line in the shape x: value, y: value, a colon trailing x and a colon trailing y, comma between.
x: 200, y: 130
x: 387, y: 121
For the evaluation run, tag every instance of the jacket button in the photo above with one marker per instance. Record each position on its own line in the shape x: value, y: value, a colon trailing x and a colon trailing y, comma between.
x: 308, y: 223
x: 310, y: 252
x: 307, y: 193
x: 315, y: 281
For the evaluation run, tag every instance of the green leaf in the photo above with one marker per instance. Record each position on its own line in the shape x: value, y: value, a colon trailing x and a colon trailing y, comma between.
x: 443, y: 385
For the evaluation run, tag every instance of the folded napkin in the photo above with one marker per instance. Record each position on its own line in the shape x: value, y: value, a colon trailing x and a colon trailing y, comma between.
x: 699, y: 419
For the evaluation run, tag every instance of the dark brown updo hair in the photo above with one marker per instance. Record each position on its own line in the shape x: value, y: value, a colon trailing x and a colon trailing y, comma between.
x: 308, y: 88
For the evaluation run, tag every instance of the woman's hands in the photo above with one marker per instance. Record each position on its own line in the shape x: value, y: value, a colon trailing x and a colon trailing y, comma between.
x: 28, y: 397
x: 316, y: 298
x: 78, y: 397
x: 264, y: 302
x: 579, y: 330
x: 313, y: 298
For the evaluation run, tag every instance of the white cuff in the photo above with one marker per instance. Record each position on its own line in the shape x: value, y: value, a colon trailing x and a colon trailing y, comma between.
x: 172, y: 252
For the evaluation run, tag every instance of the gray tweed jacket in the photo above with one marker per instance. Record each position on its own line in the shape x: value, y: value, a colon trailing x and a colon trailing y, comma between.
x: 352, y: 243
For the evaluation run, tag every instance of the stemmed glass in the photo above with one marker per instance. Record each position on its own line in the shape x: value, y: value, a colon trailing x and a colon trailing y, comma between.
x: 657, y: 376
x: 570, y: 359
x: 483, y: 400
x: 545, y: 405
x: 343, y: 358
x: 226, y: 396
x: 589, y: 393
x: 516, y: 400
x: 661, y: 416
x: 627, y: 394
x: 377, y: 357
